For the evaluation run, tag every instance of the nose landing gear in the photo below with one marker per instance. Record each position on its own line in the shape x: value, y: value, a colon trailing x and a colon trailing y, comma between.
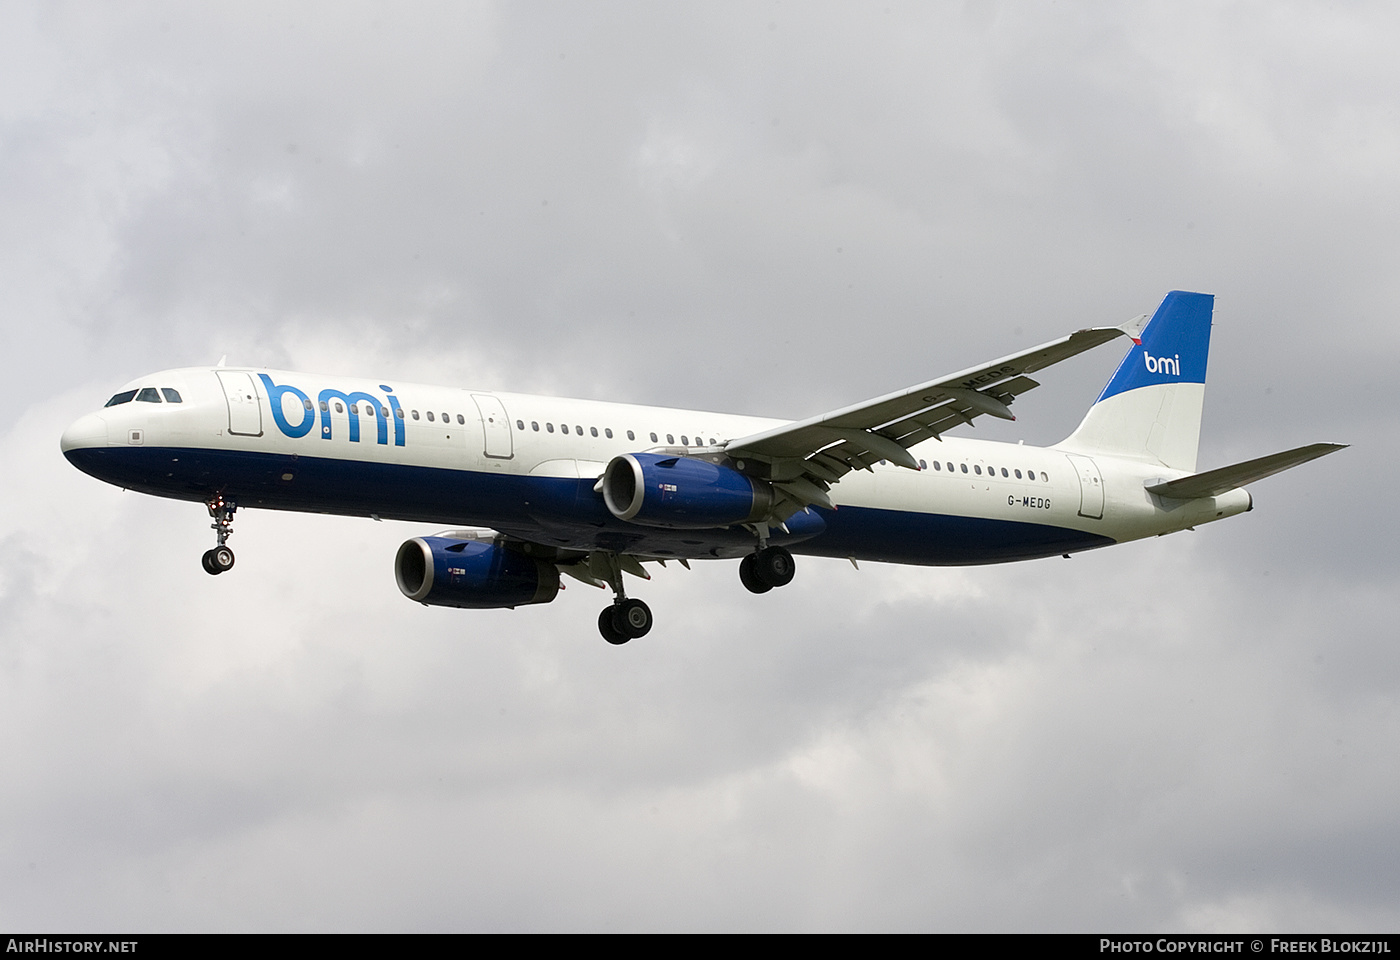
x: 220, y: 559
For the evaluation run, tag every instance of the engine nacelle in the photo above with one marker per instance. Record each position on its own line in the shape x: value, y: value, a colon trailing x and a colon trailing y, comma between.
x: 683, y: 493
x: 469, y: 573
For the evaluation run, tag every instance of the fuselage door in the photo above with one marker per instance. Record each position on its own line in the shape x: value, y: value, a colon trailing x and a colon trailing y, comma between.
x: 1090, y: 487
x: 244, y: 410
x: 495, y: 425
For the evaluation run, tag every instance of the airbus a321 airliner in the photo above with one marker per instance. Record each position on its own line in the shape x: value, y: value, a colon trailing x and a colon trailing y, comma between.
x: 595, y: 490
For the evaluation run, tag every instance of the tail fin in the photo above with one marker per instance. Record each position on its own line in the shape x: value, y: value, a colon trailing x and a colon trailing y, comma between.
x: 1151, y: 409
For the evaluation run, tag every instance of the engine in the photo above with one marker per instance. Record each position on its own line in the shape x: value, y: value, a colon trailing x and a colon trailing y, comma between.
x: 684, y: 493
x: 469, y: 573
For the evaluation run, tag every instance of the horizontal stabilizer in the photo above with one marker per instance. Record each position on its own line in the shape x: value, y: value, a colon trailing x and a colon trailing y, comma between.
x: 1213, y: 483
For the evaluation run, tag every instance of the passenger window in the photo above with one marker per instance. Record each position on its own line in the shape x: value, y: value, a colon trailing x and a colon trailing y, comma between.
x: 520, y: 424
x: 578, y: 429
x: 950, y: 466
x: 978, y: 469
x: 670, y: 438
x: 415, y: 414
x: 173, y: 396
x: 535, y: 425
x: 338, y: 407
x: 607, y: 432
x: 936, y: 465
x: 549, y: 427
x: 712, y: 441
x: 1044, y: 478
x: 1003, y: 471
x: 964, y: 467
x: 631, y: 435
x: 384, y: 412
x: 1018, y: 474
x: 430, y: 416
x: 398, y: 412
x: 148, y: 395
x: 305, y: 403
x: 684, y: 441
x: 653, y: 437
x: 593, y: 431
x: 125, y: 396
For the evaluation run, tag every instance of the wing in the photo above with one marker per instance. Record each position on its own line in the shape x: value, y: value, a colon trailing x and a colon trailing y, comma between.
x: 805, y: 458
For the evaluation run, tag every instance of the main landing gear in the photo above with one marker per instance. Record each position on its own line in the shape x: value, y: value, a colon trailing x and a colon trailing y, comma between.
x: 220, y: 559
x: 766, y: 568
x: 625, y: 619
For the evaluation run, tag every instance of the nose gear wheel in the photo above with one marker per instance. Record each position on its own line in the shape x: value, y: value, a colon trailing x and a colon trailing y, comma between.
x: 217, y: 561
x: 220, y: 559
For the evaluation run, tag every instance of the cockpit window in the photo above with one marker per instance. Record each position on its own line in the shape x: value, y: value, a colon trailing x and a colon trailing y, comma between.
x: 148, y: 395
x: 173, y: 396
x: 126, y: 396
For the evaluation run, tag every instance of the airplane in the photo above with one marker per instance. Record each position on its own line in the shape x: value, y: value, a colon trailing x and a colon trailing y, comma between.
x: 536, y: 488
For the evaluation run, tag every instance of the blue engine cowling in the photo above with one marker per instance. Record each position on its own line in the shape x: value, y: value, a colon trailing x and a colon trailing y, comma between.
x: 468, y: 573
x: 683, y: 493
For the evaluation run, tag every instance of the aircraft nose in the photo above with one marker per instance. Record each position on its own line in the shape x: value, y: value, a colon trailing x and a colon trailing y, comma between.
x: 86, y: 431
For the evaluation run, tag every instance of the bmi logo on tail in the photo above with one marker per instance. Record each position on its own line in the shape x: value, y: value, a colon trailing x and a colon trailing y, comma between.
x: 1168, y: 365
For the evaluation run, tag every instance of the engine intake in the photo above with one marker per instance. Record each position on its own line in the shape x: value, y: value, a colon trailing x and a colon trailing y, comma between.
x: 683, y: 493
x: 468, y: 573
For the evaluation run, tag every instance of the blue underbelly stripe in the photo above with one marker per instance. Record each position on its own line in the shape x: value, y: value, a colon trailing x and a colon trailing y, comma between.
x: 560, y: 511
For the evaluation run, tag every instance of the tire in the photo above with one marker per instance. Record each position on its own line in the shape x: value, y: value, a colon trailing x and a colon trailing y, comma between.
x: 207, y: 562
x: 748, y: 576
x: 608, y: 629
x: 632, y: 618
x: 221, y: 558
x: 774, y: 566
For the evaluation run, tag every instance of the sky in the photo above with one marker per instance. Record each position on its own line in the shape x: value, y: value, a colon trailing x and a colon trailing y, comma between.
x: 765, y: 208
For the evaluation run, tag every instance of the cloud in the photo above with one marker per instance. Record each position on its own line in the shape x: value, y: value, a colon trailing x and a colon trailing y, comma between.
x: 758, y: 210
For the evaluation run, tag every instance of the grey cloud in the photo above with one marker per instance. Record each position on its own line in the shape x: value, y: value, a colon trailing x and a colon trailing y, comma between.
x: 755, y: 209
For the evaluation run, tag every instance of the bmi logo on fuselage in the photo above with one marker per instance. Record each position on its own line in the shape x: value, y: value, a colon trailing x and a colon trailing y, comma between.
x: 383, y: 415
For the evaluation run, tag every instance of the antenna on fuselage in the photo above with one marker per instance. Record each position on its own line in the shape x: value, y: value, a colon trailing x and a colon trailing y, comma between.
x: 221, y: 360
